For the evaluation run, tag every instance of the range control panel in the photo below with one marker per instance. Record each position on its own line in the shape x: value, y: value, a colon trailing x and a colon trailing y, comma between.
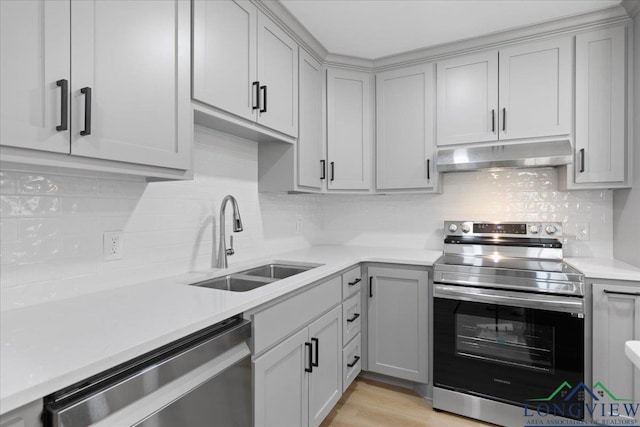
x: 512, y: 229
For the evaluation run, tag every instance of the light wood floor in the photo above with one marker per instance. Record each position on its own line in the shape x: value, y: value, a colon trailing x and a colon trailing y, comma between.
x: 368, y: 403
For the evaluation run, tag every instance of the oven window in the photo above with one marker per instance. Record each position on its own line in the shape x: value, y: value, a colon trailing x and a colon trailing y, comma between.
x: 505, y: 341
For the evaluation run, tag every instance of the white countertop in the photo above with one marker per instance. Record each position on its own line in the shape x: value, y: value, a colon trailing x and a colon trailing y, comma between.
x: 603, y: 268
x: 632, y: 350
x: 48, y: 347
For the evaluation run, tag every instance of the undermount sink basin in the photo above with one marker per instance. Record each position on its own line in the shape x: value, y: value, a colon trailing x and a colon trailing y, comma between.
x: 256, y: 277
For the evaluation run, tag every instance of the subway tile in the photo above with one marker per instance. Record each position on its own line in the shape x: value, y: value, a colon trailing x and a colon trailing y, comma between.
x: 8, y: 229
x: 7, y: 182
x: 29, y: 206
x: 44, y: 184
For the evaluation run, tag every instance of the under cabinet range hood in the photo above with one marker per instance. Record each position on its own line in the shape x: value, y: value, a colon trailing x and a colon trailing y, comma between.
x: 530, y: 154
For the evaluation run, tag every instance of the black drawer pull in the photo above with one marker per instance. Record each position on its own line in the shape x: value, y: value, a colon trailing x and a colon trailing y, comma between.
x: 355, y: 360
x: 323, y: 169
x: 428, y: 169
x: 333, y: 170
x: 64, y: 104
x: 353, y: 319
x: 493, y: 121
x: 355, y: 282
x: 264, y: 99
x: 87, y: 111
x: 371, y: 287
x: 310, y: 347
x: 256, y: 86
x: 504, y: 119
x: 316, y: 363
x: 634, y: 294
x: 582, y: 160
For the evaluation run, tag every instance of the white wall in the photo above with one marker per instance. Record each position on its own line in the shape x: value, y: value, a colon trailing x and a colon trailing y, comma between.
x: 416, y: 221
x: 626, y: 203
x: 51, y: 225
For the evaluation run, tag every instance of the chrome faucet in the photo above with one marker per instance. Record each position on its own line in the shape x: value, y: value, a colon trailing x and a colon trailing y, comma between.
x: 223, y: 252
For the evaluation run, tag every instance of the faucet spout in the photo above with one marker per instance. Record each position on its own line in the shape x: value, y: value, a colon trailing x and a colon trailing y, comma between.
x: 223, y: 252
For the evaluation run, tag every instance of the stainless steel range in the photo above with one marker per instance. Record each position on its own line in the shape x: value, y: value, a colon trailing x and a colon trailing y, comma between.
x: 509, y: 322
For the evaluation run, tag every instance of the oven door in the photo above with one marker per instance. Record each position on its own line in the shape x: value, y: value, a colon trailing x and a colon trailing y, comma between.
x: 512, y: 347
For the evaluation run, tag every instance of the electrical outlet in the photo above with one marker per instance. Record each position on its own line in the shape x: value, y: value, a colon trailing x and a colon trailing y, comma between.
x: 582, y: 231
x: 112, y: 245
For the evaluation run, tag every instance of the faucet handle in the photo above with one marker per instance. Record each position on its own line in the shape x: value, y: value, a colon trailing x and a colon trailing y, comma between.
x: 231, y: 251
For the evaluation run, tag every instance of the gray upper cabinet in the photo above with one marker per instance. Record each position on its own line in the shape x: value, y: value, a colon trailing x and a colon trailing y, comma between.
x: 127, y: 82
x: 405, y: 102
x: 245, y: 65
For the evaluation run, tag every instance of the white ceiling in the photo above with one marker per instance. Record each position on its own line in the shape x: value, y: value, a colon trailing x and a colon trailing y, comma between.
x: 375, y: 28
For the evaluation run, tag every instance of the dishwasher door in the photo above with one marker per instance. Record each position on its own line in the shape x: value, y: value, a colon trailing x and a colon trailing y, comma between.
x: 202, y: 380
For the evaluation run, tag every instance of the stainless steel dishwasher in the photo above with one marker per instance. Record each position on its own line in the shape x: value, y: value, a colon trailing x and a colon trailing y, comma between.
x: 201, y: 380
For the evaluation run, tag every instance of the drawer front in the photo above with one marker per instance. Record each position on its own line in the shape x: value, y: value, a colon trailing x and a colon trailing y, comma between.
x: 281, y: 320
x: 351, y: 362
x: 351, y: 318
x: 351, y: 282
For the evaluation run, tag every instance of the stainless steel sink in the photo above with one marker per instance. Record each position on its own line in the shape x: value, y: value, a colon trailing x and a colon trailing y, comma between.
x: 256, y: 277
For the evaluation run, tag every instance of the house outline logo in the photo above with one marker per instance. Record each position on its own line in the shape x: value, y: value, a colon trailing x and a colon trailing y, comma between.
x: 565, y: 390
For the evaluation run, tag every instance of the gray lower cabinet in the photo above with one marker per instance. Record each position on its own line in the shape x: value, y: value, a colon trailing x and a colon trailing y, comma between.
x: 298, y: 382
x: 25, y: 416
x: 398, y: 322
x: 616, y: 319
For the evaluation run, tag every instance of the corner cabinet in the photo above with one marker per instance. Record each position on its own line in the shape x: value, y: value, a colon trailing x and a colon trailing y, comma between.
x: 92, y: 80
x: 245, y: 65
x: 405, y: 140
x: 602, y: 156
x: 616, y: 319
x: 349, y: 130
x: 398, y: 322
x: 522, y: 91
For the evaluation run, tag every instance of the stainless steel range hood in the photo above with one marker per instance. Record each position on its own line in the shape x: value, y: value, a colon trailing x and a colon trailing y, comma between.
x: 530, y: 154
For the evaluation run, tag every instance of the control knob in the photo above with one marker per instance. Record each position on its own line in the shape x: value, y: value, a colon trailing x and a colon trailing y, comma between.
x: 466, y: 228
x: 551, y: 229
x: 534, y: 229
x: 453, y: 228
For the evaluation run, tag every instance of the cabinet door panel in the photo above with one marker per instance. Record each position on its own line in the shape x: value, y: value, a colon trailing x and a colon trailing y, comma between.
x: 310, y: 132
x: 600, y: 105
x: 535, y: 89
x: 348, y: 130
x: 616, y: 319
x: 467, y: 96
x: 325, y: 382
x: 281, y: 384
x: 34, y: 52
x: 397, y: 323
x: 135, y: 56
x: 278, y: 71
x: 404, y: 116
x: 224, y: 55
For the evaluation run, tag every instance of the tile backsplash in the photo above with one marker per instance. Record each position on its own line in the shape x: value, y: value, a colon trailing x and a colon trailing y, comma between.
x: 52, y: 223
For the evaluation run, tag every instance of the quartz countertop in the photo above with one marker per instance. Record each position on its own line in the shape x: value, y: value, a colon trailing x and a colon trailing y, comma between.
x: 604, y: 268
x: 50, y: 346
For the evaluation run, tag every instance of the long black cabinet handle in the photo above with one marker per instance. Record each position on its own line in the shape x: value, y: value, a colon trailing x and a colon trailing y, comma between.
x: 355, y: 360
x: 504, y: 119
x: 428, y: 169
x: 333, y: 170
x: 87, y: 111
x: 309, y: 346
x: 634, y: 294
x: 64, y: 104
x: 323, y: 169
x: 256, y: 87
x: 371, y: 287
x: 493, y: 120
x: 355, y: 282
x: 317, y: 343
x: 353, y: 319
x: 263, y: 89
x: 582, y: 160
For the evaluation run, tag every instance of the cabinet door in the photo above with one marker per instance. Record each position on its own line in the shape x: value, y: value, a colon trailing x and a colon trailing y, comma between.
x: 224, y: 55
x: 404, y: 132
x: 398, y: 323
x: 468, y: 99
x: 536, y: 89
x: 310, y: 132
x: 281, y: 385
x: 135, y: 58
x: 278, y: 75
x: 35, y: 55
x: 616, y: 319
x: 348, y: 130
x: 600, y: 106
x: 325, y: 382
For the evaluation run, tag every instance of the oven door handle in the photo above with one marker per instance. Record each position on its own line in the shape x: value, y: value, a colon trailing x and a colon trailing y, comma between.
x: 515, y: 299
